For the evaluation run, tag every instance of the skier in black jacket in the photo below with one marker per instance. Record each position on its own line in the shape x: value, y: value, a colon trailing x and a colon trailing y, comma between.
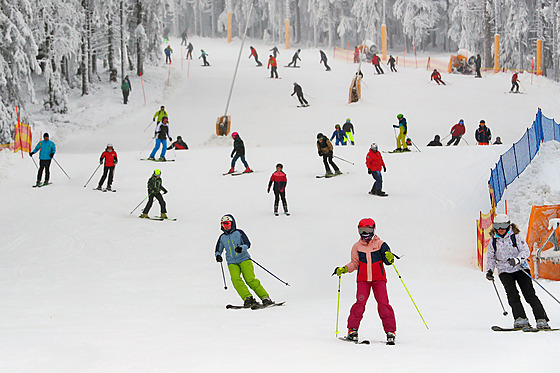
x: 483, y: 134
x: 299, y: 92
x: 324, y: 60
x: 155, y: 188
x: 161, y: 135
x: 391, y: 62
x: 295, y: 58
x: 238, y: 152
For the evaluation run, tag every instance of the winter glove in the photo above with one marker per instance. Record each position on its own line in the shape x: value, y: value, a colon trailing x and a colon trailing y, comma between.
x: 101, y: 161
x: 384, y: 169
x: 320, y: 155
x: 170, y: 138
x: 238, y: 249
x: 390, y: 257
x: 52, y: 155
x: 339, y: 271
x: 369, y: 171
x: 395, y: 126
x: 31, y: 154
x: 268, y: 190
x: 514, y: 261
x: 219, y: 258
x: 489, y: 275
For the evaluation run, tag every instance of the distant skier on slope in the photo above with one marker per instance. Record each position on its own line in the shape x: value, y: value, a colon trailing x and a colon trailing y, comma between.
x: 402, y: 145
x: 273, y: 65
x: 376, y: 61
x: 275, y: 51
x: 514, y: 82
x: 279, y: 180
x: 155, y: 187
x: 356, y: 54
x: 348, y: 129
x: 478, y: 65
x: 160, y: 114
x: 498, y: 141
x: 324, y: 60
x: 110, y: 158
x: 435, y: 142
x: 374, y: 164
x: 299, y: 91
x: 168, y: 52
x: 391, y: 62
x: 184, y: 38
x: 508, y: 254
x: 295, y: 59
x: 255, y: 55
x: 178, y: 144
x: 203, y: 55
x: 47, y: 150
x: 482, y: 134
x: 339, y: 135
x: 436, y: 76
x: 325, y: 150
x: 368, y: 256
x: 161, y: 134
x: 238, y: 152
x: 190, y: 48
x: 457, y: 131
x: 126, y: 87
x: 236, y: 245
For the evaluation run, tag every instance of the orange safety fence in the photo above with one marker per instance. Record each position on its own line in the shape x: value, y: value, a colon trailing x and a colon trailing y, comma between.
x: 543, y: 242
x: 23, y: 138
x: 343, y: 54
x: 9, y: 146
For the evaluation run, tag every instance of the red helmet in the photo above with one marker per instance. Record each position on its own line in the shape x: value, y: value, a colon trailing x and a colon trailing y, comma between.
x: 234, y: 135
x: 367, y: 222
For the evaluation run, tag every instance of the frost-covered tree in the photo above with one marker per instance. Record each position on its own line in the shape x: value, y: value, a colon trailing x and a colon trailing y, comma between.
x: 417, y: 17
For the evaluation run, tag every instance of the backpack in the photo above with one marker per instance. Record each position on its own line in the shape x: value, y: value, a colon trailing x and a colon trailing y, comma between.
x: 513, y: 241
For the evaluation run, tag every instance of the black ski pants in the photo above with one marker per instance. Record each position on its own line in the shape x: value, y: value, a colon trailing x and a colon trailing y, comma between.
x: 107, y: 170
x: 302, y: 100
x: 277, y: 196
x: 455, y: 140
x: 274, y: 72
x: 257, y: 61
x: 514, y: 85
x: 44, y: 164
x: 393, y: 67
x: 526, y: 286
x: 294, y: 61
x: 205, y: 62
x: 327, y: 159
x: 125, y: 94
x: 378, y: 69
x: 189, y: 54
x: 159, y: 197
x: 326, y: 65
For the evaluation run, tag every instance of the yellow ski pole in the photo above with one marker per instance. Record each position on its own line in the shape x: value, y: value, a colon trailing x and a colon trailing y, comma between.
x: 338, y: 306
x: 413, y: 302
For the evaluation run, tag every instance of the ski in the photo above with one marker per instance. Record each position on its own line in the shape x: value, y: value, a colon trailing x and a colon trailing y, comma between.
x: 260, y: 306
x: 157, y: 160
x: 42, y: 185
x: 170, y: 219
x: 526, y: 329
x: 363, y: 342
x: 397, y: 151
x: 379, y: 195
x: 241, y: 173
x: 329, y: 176
x: 303, y: 105
x: 109, y: 190
x: 535, y: 330
x: 500, y: 329
x: 293, y: 67
x: 234, y: 307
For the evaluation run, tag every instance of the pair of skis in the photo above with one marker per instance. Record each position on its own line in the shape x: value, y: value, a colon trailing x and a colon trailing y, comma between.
x: 526, y: 329
x: 105, y: 190
x: 41, y: 185
x: 158, y: 218
x: 258, y: 306
x: 364, y: 341
x: 238, y: 173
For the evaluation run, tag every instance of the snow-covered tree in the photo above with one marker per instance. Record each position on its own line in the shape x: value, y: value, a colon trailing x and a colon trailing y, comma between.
x: 417, y: 17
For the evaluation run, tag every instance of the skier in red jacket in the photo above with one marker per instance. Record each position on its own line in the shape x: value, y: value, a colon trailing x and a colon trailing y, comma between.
x: 254, y: 54
x: 457, y: 131
x: 111, y: 161
x: 436, y: 76
x: 280, y: 181
x: 514, y: 82
x: 274, y: 65
x: 376, y: 61
x: 374, y: 163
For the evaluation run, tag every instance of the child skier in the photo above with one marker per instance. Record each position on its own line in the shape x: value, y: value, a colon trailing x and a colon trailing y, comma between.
x: 280, y: 181
x: 255, y: 54
x: 436, y: 76
x: 110, y: 157
x: 203, y: 55
x: 435, y: 142
x: 339, y: 134
x: 374, y: 164
x: 402, y: 145
x: 47, y: 148
x: 179, y: 144
x: 238, y: 152
x: 155, y: 188
x: 508, y: 253
x: 325, y: 149
x: 236, y: 245
x: 348, y: 129
x: 161, y: 135
x: 368, y: 256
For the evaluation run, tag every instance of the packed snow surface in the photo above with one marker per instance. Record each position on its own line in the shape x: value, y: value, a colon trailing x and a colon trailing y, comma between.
x: 88, y: 287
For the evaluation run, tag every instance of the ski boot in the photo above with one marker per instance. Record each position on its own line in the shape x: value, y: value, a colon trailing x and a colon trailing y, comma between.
x: 267, y: 302
x: 99, y: 188
x: 541, y: 324
x: 231, y: 170
x: 328, y: 174
x: 249, y: 302
x: 109, y: 188
x: 338, y: 172
x: 151, y: 159
x: 521, y: 323
x: 287, y: 213
x: 391, y: 338
x: 397, y: 150
x: 247, y: 170
x: 381, y: 193
x: 406, y: 150
x: 275, y: 212
x: 143, y: 216
x: 352, y: 335
x: 46, y: 183
x: 163, y: 215
x: 162, y: 159
x: 38, y: 183
x: 352, y: 142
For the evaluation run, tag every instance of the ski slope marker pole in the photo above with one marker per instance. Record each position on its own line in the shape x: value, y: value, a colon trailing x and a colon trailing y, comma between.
x: 272, y: 274
x: 342, y: 159
x: 542, y: 287
x: 223, y: 275
x: 338, y: 306
x: 143, y: 91
x: 500, y: 299
x: 58, y: 164
x: 413, y: 302
x: 99, y: 165
x: 139, y: 204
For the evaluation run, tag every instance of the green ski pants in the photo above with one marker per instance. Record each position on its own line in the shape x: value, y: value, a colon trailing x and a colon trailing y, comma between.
x: 246, y: 269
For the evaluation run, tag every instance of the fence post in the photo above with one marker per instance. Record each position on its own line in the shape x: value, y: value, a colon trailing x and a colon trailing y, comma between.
x: 504, y: 173
x: 515, y: 157
x: 529, y: 143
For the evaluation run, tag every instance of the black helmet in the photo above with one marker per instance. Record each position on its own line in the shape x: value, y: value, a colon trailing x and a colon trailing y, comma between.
x: 280, y: 165
x: 320, y: 136
x: 436, y: 137
x: 179, y: 137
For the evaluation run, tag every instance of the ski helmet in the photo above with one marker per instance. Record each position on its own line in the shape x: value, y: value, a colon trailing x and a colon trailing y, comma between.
x: 157, y: 172
x: 46, y: 134
x: 179, y: 137
x: 399, y: 116
x: 436, y: 137
x: 109, y: 145
x: 501, y: 221
x: 164, y: 120
x: 234, y: 135
x: 461, y: 121
x: 295, y: 83
x: 366, y: 229
x: 373, y: 147
x: 337, y: 126
x: 280, y: 165
x: 482, y: 121
x: 226, y: 222
x: 226, y: 218
x: 320, y: 136
x: 348, y: 119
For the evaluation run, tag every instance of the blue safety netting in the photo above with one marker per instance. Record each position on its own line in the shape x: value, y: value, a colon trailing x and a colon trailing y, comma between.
x: 513, y: 162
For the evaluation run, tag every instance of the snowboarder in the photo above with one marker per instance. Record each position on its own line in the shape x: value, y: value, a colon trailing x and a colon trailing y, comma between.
x: 110, y: 157
x: 325, y: 149
x: 178, y: 144
x: 368, y: 256
x: 324, y: 60
x: 160, y: 114
x: 514, y: 82
x: 376, y: 61
x: 435, y: 142
x: 189, y: 51
x: 374, y: 164
x: 436, y: 76
x: 273, y: 65
x: 299, y: 91
x: 155, y: 187
x: 482, y: 134
x: 161, y: 135
x: 255, y: 54
x: 184, y: 37
x: 295, y: 58
x: 508, y: 254
x: 339, y: 135
x: 348, y: 129
x: 498, y: 141
x: 238, y: 152
x: 356, y: 54
x: 280, y: 181
x: 457, y: 131
x: 275, y: 51
x: 203, y: 56
x: 126, y: 87
x: 236, y: 245
x: 402, y: 145
x: 168, y: 52
x: 391, y: 62
x: 48, y: 149
x: 477, y: 66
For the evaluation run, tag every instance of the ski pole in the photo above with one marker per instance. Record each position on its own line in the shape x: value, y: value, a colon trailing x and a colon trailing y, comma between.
x: 33, y: 159
x: 413, y: 302
x: 144, y: 148
x: 58, y: 164
x: 415, y: 145
x: 342, y: 159
x: 542, y: 287
x: 500, y: 299
x: 272, y: 274
x: 338, y: 306
x: 223, y: 275
x: 148, y: 126
x: 464, y: 140
x: 139, y: 204
x: 445, y: 137
x: 99, y: 165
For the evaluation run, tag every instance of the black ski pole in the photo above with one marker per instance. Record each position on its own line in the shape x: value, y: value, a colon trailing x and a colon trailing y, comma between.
x: 144, y: 148
x: 272, y: 274
x: 58, y: 164
x: 223, y: 275
x: 342, y: 159
x: 542, y: 287
x: 99, y: 165
x: 500, y: 299
x: 139, y: 204
x: 464, y: 140
x: 33, y: 159
x: 445, y: 137
x: 148, y: 126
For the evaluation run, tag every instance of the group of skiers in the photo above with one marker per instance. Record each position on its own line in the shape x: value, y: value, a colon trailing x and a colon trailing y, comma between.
x: 482, y: 135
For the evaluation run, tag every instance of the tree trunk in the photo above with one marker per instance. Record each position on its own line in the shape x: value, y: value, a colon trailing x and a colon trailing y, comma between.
x: 487, y: 37
x: 83, y: 66
x: 297, y: 28
x: 111, y: 47
x: 89, y: 14
x: 139, y: 49
x: 123, y: 46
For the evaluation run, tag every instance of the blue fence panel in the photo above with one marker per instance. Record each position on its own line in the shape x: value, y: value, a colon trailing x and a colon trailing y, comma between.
x: 534, y: 145
x: 501, y: 177
x: 522, y: 155
x: 509, y: 165
x: 495, y: 184
x: 556, y: 132
x: 548, y: 129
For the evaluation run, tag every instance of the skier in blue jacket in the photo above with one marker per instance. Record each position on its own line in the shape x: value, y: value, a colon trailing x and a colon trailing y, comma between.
x: 339, y: 134
x: 47, y: 149
x: 236, y: 245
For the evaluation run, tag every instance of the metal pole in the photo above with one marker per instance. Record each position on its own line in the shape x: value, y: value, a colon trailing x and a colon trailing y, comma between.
x: 338, y: 306
x: 272, y: 274
x: 99, y: 165
x: 500, y: 299
x: 223, y: 275
x: 58, y: 164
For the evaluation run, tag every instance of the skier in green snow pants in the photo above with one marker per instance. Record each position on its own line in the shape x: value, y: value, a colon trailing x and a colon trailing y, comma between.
x: 236, y: 244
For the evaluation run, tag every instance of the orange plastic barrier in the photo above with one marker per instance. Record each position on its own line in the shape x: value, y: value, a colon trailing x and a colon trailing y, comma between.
x: 223, y: 125
x: 543, y: 243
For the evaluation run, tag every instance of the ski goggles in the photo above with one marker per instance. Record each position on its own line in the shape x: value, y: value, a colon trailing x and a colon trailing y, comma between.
x: 501, y: 225
x: 226, y: 224
x: 365, y: 231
